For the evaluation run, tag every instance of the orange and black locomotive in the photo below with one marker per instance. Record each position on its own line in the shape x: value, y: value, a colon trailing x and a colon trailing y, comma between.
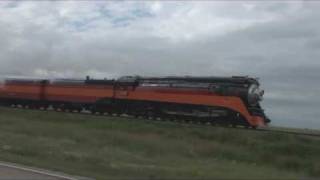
x: 216, y: 100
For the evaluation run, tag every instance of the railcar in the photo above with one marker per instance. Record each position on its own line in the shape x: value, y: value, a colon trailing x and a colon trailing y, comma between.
x: 215, y: 100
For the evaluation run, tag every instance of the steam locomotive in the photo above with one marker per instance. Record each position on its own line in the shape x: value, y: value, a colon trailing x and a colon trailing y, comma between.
x: 215, y: 100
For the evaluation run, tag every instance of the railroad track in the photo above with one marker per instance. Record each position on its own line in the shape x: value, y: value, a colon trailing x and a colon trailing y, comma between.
x: 266, y: 130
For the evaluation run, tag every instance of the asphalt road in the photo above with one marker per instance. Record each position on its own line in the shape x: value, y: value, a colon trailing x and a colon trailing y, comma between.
x: 17, y: 172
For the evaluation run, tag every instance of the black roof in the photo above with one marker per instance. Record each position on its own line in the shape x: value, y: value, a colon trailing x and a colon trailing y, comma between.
x: 134, y: 80
x: 204, y: 79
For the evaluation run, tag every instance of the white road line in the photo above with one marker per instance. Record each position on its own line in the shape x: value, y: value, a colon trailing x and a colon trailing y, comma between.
x: 11, y: 165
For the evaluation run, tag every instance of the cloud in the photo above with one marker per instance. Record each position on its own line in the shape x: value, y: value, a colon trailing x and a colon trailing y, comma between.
x: 276, y: 41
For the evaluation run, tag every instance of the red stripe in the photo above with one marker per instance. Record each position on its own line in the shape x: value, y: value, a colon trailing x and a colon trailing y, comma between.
x: 79, y: 86
x: 32, y: 96
x: 85, y: 99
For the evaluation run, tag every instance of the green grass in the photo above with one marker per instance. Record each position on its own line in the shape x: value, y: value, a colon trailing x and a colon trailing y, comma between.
x: 115, y: 147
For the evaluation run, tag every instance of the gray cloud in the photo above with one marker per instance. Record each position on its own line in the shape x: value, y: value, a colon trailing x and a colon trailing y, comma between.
x: 277, y: 42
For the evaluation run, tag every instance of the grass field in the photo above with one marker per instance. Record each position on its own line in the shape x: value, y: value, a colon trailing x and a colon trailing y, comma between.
x: 115, y: 147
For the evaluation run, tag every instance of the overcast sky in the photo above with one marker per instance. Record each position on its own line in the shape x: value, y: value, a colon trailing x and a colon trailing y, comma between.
x: 279, y: 42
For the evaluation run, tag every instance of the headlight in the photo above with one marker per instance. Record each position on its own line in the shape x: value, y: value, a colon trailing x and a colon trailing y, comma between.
x: 255, y: 94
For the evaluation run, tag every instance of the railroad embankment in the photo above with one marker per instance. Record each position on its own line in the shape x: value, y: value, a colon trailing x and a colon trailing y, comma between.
x: 117, y: 147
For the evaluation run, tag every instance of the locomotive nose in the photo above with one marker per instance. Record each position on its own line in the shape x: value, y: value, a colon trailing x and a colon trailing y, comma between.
x: 255, y: 94
x: 260, y: 94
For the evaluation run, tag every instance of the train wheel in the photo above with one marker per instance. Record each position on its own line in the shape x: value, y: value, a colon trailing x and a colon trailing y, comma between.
x: 45, y: 107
